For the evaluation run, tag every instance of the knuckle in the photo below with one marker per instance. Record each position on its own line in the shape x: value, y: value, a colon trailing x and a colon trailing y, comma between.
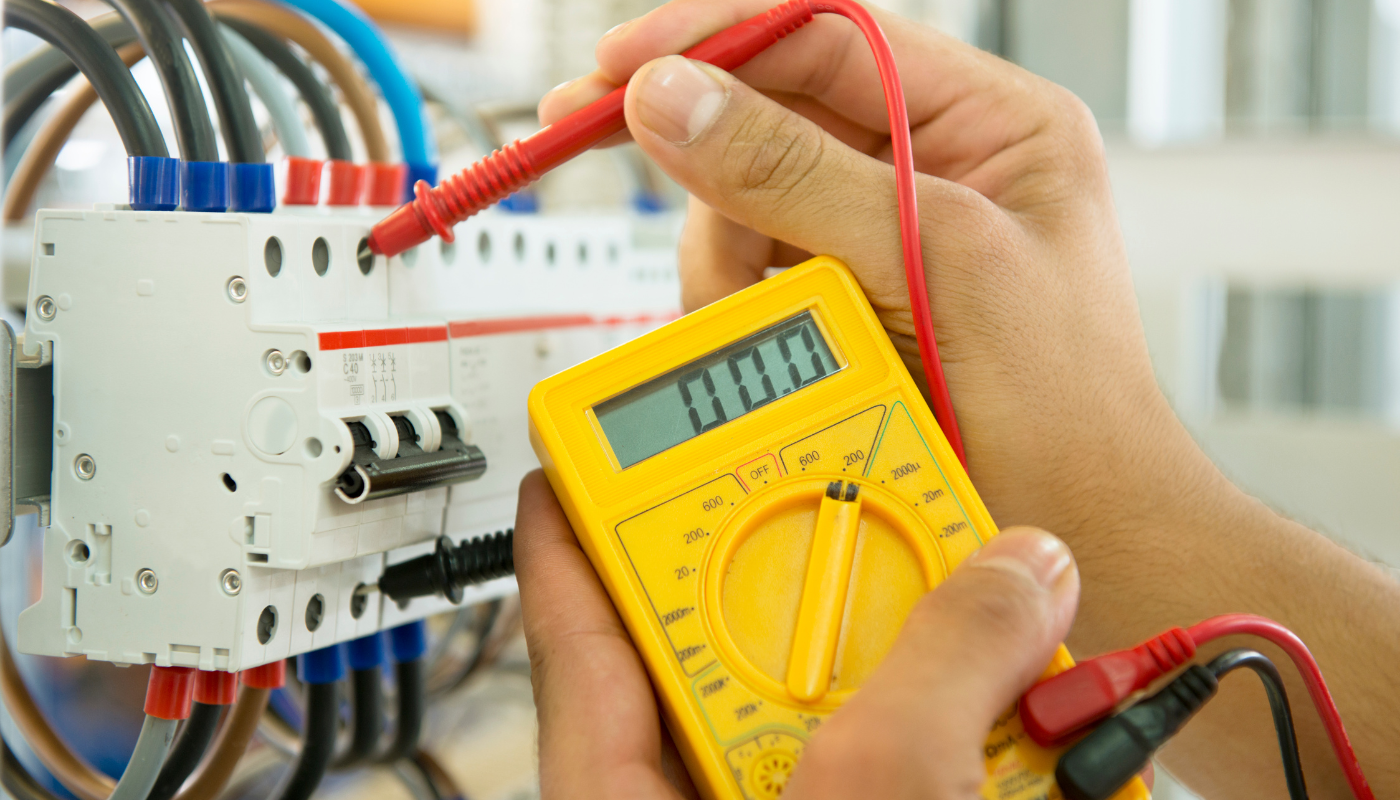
x: 771, y: 155
x: 1002, y: 606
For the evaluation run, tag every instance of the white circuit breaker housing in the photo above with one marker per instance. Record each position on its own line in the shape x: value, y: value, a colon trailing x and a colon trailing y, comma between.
x: 214, y: 373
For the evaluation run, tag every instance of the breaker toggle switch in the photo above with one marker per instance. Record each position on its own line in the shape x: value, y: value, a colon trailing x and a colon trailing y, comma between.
x: 371, y: 477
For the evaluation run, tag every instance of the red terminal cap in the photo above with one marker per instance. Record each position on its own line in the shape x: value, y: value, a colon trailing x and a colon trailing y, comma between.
x: 303, y: 181
x: 170, y: 692
x: 268, y: 676
x: 215, y: 688
x: 1055, y: 709
x: 346, y: 184
x: 384, y: 186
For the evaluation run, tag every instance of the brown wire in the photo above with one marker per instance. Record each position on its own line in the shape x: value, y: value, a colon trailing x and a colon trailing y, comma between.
x: 293, y: 26
x: 214, y: 773
x: 76, y: 774
x: 80, y: 778
x: 51, y: 137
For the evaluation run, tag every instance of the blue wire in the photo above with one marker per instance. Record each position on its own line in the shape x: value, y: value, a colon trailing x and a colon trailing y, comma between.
x: 368, y: 43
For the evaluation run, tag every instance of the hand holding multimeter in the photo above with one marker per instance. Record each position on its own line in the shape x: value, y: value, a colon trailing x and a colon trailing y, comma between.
x: 1034, y: 301
x: 600, y: 730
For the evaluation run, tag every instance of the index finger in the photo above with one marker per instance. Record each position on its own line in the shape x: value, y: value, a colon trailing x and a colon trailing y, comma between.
x: 828, y: 59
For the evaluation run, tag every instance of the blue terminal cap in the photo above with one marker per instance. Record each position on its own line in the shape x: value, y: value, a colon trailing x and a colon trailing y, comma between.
x: 326, y: 665
x: 204, y: 186
x: 254, y: 188
x: 522, y: 202
x: 646, y: 202
x: 154, y: 182
x: 365, y: 652
x: 409, y: 642
x: 416, y: 173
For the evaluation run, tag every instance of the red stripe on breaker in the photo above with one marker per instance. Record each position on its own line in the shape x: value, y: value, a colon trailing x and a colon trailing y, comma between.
x: 381, y: 337
x: 485, y: 327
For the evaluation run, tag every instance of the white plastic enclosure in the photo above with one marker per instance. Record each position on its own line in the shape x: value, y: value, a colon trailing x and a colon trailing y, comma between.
x: 205, y: 367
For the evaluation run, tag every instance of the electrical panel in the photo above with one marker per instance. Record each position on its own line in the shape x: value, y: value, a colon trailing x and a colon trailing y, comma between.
x: 250, y: 420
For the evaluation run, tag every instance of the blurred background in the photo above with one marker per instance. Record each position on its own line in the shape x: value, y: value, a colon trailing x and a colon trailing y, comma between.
x: 1255, y: 160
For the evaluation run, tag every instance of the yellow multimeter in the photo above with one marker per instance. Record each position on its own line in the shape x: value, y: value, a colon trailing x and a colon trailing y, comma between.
x: 765, y: 495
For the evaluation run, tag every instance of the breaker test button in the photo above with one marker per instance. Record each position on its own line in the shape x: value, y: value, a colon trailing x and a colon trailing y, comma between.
x: 272, y: 425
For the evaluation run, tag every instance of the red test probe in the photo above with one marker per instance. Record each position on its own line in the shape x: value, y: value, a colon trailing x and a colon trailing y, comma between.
x: 520, y: 163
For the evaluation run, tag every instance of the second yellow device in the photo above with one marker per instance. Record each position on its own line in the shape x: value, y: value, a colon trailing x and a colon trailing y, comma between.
x: 765, y: 495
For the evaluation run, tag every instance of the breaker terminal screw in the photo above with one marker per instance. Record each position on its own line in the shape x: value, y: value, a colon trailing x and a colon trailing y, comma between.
x: 237, y: 289
x: 231, y: 582
x: 46, y: 308
x: 276, y: 362
x: 85, y: 466
x: 146, y: 581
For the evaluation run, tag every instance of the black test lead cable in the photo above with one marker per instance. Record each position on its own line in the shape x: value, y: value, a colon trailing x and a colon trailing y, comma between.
x: 317, y: 96
x: 1282, y: 713
x: 231, y: 101
x: 99, y: 63
x: 1101, y: 763
x: 194, y: 132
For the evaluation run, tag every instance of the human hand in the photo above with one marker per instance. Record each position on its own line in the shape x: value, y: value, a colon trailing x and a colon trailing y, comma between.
x: 1031, y: 297
x: 916, y: 729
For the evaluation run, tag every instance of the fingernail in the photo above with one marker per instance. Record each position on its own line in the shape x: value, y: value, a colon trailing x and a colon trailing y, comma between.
x: 615, y: 29
x: 679, y: 100
x: 1039, y: 556
x: 561, y: 86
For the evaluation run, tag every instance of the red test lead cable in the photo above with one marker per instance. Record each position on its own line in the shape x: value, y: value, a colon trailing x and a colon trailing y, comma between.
x: 520, y: 163
x: 1056, y: 709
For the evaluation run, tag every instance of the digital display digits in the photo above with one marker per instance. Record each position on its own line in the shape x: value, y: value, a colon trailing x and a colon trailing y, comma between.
x: 710, y: 391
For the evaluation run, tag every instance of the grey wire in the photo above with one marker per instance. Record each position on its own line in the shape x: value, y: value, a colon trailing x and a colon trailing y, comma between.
x: 273, y: 93
x: 151, y: 748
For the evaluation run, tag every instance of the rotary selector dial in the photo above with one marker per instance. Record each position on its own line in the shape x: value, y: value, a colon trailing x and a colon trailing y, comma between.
x: 809, y: 581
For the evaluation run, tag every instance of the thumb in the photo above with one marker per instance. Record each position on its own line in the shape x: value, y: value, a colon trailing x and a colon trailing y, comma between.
x: 967, y: 652
x: 773, y: 170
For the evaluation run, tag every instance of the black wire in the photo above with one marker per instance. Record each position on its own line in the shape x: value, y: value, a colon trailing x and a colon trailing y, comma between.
x: 317, y: 743
x: 314, y: 93
x: 367, y: 722
x: 17, y: 780
x: 409, y: 725
x: 99, y: 62
x: 188, y: 749
x: 23, y: 99
x: 193, y: 131
x: 484, y: 625
x: 1278, y: 706
x: 225, y: 82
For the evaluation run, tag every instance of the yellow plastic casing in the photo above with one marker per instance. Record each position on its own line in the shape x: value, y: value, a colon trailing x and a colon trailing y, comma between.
x: 757, y: 599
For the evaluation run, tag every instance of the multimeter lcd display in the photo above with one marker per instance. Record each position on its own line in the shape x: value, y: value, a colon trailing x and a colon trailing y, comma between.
x: 710, y: 391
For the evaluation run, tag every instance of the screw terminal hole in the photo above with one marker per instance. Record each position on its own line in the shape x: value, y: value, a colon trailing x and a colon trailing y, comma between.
x: 358, y: 602
x: 519, y: 246
x: 315, y: 612
x: 301, y: 362
x: 267, y: 625
x: 272, y: 256
x: 48, y: 248
x: 449, y: 252
x: 410, y: 256
x: 78, y: 552
x: 363, y: 257
x: 320, y: 256
x: 313, y: 448
x: 582, y: 254
x: 549, y: 254
x: 230, y: 483
x: 483, y: 246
